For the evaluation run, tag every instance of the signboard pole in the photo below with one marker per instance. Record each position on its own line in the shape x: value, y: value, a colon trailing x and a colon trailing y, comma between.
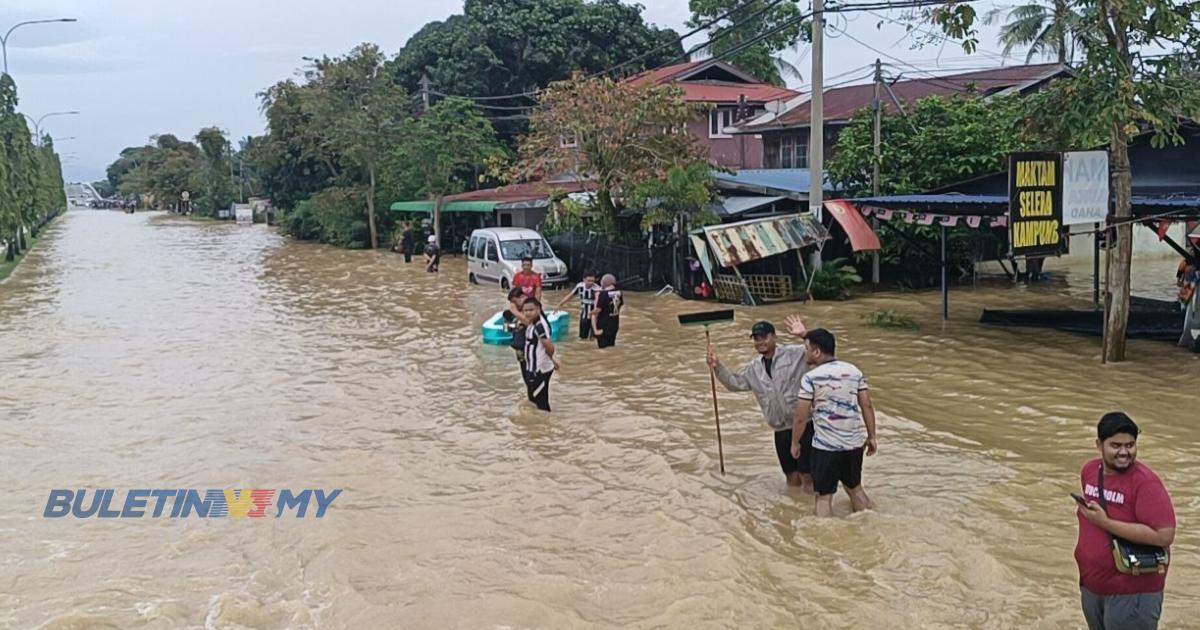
x: 1096, y: 266
x: 945, y: 287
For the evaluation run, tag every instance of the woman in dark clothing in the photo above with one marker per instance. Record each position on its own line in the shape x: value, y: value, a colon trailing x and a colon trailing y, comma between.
x: 407, y: 242
x: 606, y: 316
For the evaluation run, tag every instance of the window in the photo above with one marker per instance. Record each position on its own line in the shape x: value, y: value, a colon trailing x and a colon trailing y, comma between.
x: 536, y: 249
x: 505, y: 219
x: 491, y: 251
x: 793, y: 151
x: 718, y: 120
x: 477, y: 247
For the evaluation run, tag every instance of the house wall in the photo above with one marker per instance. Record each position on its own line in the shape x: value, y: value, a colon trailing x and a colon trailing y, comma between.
x: 775, y: 143
x: 742, y: 151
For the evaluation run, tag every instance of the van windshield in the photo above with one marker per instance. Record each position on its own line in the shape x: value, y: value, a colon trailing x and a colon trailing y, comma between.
x: 537, y: 249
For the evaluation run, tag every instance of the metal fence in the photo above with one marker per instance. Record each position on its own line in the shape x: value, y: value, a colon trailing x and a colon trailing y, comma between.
x: 637, y: 268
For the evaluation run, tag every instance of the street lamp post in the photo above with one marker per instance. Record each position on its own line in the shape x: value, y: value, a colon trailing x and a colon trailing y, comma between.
x: 37, y: 123
x: 4, y: 40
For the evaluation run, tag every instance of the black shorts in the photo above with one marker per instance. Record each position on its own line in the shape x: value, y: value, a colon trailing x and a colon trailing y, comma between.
x: 585, y: 327
x: 830, y: 467
x: 783, y: 448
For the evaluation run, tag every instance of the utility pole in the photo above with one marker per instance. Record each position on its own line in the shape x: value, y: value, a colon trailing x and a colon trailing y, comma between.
x: 816, y: 127
x: 424, y: 92
x: 875, y: 181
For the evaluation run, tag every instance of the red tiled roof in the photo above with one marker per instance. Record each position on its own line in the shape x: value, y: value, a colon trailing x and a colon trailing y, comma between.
x: 528, y: 191
x: 710, y: 91
x: 706, y: 92
x: 661, y: 75
x: 841, y: 103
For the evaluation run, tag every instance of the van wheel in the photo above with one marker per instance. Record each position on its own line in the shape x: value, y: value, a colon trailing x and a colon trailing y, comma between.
x: 472, y: 279
x: 504, y: 283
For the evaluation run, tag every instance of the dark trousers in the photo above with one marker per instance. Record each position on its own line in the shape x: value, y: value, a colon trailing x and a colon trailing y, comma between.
x: 1139, y: 611
x: 407, y: 255
x: 537, y: 385
x: 608, y: 337
x: 585, y: 327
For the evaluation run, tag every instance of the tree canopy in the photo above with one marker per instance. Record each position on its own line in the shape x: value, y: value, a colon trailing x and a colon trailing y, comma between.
x: 502, y: 47
x: 750, y: 19
x: 31, y: 182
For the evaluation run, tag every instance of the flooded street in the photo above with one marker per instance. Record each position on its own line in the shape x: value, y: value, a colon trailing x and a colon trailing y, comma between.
x: 148, y: 351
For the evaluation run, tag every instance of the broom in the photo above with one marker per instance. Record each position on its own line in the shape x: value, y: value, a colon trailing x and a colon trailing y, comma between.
x: 707, y: 320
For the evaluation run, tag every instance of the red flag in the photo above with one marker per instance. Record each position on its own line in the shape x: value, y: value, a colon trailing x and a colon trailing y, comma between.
x: 862, y: 237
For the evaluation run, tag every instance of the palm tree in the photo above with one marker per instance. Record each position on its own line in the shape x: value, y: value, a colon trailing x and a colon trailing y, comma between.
x: 1048, y: 30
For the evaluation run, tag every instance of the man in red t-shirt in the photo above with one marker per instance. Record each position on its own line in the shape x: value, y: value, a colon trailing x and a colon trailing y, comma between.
x: 1136, y: 508
x: 528, y: 280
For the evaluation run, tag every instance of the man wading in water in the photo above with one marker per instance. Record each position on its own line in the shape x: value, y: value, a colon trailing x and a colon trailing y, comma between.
x: 775, y: 380
x: 539, y: 354
x: 834, y: 399
x: 606, y: 316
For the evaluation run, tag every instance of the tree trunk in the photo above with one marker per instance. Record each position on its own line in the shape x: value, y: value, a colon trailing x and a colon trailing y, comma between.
x: 10, y: 253
x: 1060, y: 21
x: 371, y: 207
x: 605, y: 201
x: 1118, y: 274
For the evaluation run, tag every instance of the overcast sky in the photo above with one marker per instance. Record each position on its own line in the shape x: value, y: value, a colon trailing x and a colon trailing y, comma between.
x: 134, y: 68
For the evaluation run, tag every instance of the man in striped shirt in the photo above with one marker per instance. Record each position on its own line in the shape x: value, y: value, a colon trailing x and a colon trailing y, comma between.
x: 835, y: 398
x: 539, y: 354
x: 587, y: 290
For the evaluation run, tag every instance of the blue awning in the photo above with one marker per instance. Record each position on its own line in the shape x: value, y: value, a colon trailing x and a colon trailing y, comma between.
x: 790, y: 182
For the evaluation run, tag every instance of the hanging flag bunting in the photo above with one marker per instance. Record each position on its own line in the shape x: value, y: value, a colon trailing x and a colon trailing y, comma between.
x: 925, y: 219
x: 948, y: 221
x: 866, y: 211
x: 906, y: 216
x: 999, y: 221
x: 973, y: 221
x: 883, y: 215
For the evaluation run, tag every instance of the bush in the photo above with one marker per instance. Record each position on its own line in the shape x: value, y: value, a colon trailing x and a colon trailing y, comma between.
x: 888, y: 318
x: 834, y: 279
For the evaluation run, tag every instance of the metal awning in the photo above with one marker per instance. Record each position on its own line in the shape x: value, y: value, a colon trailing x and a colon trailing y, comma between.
x: 449, y: 206
x: 733, y: 206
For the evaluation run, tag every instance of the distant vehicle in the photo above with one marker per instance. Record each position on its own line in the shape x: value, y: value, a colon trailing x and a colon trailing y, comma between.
x: 494, y: 255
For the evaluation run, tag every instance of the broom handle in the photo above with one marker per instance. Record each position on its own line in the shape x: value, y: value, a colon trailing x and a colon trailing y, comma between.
x: 712, y: 378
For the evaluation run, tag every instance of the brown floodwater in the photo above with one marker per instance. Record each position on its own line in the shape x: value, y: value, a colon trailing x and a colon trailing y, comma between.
x: 148, y: 351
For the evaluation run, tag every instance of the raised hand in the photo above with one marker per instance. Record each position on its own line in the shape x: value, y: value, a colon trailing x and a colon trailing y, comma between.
x: 795, y: 325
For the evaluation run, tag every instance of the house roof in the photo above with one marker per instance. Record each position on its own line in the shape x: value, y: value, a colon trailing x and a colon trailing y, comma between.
x: 841, y: 103
x: 790, y: 182
x: 712, y: 81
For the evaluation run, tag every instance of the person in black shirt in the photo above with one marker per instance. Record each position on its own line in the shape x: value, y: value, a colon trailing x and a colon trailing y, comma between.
x: 606, y: 316
x: 433, y: 255
x: 587, y: 290
x: 407, y: 242
x: 540, y: 362
x: 514, y: 321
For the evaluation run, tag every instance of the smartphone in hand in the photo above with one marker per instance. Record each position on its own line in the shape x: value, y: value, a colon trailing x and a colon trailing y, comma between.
x: 1079, y: 499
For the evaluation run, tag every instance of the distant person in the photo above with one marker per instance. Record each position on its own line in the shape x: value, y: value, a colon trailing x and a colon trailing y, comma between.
x: 1127, y: 500
x: 606, y: 316
x: 408, y: 242
x: 834, y: 398
x: 528, y: 280
x: 433, y: 254
x: 587, y: 292
x: 539, y: 354
x: 774, y: 377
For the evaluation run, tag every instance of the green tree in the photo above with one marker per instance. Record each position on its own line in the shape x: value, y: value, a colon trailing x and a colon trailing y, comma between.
x: 1137, y: 75
x: 293, y: 160
x: 502, y: 47
x: 610, y: 133
x: 217, y: 191
x: 23, y: 171
x: 1048, y: 30
x: 684, y: 191
x: 443, y: 152
x: 752, y: 19
x: 361, y: 113
x: 940, y: 142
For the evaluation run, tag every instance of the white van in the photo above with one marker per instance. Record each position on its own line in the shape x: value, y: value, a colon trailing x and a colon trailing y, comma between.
x: 494, y: 255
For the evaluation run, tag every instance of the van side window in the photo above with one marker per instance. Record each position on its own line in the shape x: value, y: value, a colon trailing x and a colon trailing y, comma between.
x: 477, y: 247
x: 491, y: 251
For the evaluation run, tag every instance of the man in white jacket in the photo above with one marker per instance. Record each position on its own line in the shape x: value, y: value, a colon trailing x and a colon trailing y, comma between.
x: 774, y: 377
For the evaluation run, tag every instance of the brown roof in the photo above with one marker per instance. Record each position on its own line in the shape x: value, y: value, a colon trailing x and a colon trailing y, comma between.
x: 708, y: 90
x: 528, y: 191
x: 841, y: 103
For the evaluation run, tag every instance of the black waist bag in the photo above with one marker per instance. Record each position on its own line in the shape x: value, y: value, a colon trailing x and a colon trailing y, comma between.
x: 1132, y: 558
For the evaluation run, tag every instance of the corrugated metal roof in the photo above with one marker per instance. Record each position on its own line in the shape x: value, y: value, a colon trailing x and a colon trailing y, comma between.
x: 711, y: 92
x: 705, y: 89
x: 791, y: 182
x: 841, y: 103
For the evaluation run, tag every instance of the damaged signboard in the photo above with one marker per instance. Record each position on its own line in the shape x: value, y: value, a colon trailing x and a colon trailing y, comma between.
x: 744, y: 241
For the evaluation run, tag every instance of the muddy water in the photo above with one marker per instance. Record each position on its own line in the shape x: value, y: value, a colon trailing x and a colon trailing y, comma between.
x: 150, y: 352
